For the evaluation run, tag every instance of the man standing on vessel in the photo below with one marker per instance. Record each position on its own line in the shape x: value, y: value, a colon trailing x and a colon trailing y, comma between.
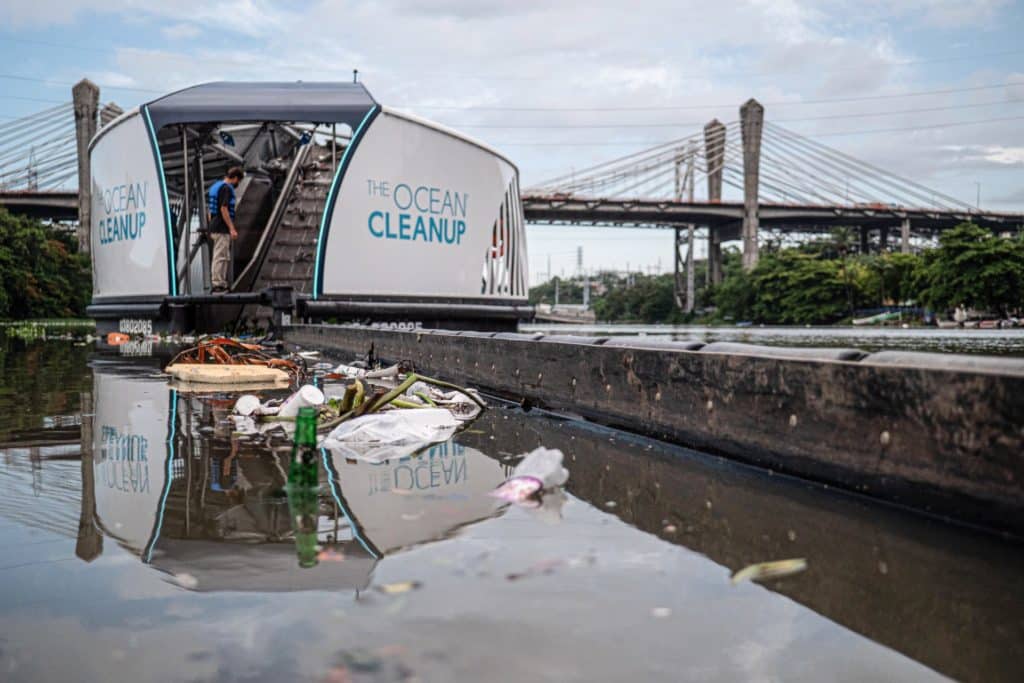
x: 221, y: 200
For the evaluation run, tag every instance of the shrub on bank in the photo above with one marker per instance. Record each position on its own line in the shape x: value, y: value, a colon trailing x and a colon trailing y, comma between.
x: 42, y: 274
x: 975, y: 268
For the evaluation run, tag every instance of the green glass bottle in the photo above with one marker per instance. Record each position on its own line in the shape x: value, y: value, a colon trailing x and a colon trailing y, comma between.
x: 304, y: 505
x: 304, y: 470
x: 303, y: 488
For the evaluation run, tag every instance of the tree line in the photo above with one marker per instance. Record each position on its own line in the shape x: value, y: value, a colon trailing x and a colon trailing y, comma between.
x: 823, y: 282
x: 42, y: 273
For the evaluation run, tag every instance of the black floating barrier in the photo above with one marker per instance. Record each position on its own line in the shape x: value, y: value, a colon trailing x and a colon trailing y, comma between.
x: 941, y: 433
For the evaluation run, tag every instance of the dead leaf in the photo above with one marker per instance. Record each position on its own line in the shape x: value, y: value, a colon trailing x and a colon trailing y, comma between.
x: 770, y: 570
x: 400, y: 587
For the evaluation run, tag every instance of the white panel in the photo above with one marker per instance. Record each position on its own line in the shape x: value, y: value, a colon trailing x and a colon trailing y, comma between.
x: 129, y: 246
x: 415, y: 214
x: 130, y: 455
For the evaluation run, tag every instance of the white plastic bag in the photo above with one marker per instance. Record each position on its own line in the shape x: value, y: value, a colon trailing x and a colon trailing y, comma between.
x: 544, y: 464
x: 540, y: 471
x: 393, y: 433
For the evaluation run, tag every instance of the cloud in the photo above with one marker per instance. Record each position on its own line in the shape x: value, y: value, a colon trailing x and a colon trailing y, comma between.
x: 997, y: 155
x: 929, y: 13
x: 247, y: 17
x: 181, y: 31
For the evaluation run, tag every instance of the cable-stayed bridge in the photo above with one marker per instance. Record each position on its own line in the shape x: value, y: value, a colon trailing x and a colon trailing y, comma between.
x: 44, y: 156
x: 782, y: 182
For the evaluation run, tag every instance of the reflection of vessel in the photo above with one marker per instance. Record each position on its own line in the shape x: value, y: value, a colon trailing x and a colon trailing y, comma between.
x: 193, y: 500
x: 418, y: 498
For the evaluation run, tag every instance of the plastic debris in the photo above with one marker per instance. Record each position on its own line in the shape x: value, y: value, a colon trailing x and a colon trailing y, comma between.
x: 225, y: 352
x: 540, y: 470
x: 247, y: 404
x: 399, y: 587
x: 306, y: 396
x: 544, y: 464
x: 395, y: 433
x: 350, y: 371
x: 769, y: 570
x: 518, y: 489
x: 384, y: 373
x: 227, y: 374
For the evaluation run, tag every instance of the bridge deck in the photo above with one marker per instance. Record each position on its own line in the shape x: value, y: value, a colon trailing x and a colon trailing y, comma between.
x: 656, y: 213
x: 793, y: 217
x: 55, y: 205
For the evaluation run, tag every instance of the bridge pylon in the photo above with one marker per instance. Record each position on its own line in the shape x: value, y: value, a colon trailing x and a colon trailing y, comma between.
x: 714, y: 155
x: 86, y: 100
x: 751, y: 125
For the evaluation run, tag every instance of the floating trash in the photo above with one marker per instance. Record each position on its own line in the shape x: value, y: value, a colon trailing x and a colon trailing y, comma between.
x: 306, y: 397
x: 247, y: 404
x: 540, y: 470
x: 186, y: 580
x: 769, y: 570
x: 392, y: 434
x: 397, y: 588
x: 518, y: 489
x: 221, y: 360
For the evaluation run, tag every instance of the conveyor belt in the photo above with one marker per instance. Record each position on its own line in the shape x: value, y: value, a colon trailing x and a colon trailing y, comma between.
x: 292, y: 251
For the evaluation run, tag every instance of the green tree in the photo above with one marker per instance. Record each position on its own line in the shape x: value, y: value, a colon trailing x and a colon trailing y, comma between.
x: 42, y: 275
x: 973, y: 267
x: 894, y: 276
x: 569, y: 292
x: 794, y: 287
x: 648, y: 299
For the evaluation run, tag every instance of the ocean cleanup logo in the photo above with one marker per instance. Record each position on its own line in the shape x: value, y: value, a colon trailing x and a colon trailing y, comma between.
x: 418, y: 214
x: 123, y: 462
x: 124, y: 213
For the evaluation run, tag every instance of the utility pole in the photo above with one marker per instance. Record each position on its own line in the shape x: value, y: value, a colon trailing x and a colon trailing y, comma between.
x: 690, y: 172
x: 85, y: 96
x: 677, y: 242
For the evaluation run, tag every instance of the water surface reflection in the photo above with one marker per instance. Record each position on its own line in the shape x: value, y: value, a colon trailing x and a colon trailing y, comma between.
x: 173, y: 483
x: 142, y: 539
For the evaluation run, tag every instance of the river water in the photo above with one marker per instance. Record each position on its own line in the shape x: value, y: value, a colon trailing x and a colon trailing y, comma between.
x: 1008, y: 342
x: 142, y: 540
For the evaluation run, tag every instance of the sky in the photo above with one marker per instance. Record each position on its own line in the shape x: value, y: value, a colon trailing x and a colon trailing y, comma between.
x: 560, y: 85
